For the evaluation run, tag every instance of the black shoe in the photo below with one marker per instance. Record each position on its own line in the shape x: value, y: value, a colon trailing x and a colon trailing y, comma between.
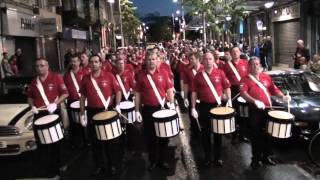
x: 255, y: 164
x: 218, y: 163
x: 268, y: 161
x: 151, y: 167
x: 97, y: 171
x: 244, y: 139
x: 113, y: 171
x: 207, y: 163
x: 164, y: 166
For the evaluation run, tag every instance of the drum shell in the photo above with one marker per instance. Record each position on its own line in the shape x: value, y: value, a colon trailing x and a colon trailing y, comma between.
x: 108, y: 129
x: 243, y: 109
x: 75, y: 113
x: 279, y: 128
x: 129, y: 113
x: 166, y: 127
x: 50, y: 132
x: 223, y: 124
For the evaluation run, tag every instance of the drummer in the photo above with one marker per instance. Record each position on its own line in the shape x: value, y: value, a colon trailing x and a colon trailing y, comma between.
x: 72, y: 79
x: 47, y: 94
x: 208, y: 100
x: 127, y: 82
x: 251, y: 89
x: 235, y: 70
x: 187, y: 78
x: 146, y: 98
x: 109, y: 88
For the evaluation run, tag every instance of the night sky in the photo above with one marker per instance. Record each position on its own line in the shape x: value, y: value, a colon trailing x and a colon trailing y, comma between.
x: 164, y: 7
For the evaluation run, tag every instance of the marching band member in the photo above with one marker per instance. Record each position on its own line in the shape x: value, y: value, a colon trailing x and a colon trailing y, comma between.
x: 235, y: 70
x: 153, y: 86
x: 188, y: 78
x: 47, y: 89
x: 99, y: 88
x: 219, y: 63
x: 85, y: 63
x: 256, y: 89
x: 208, y: 86
x: 72, y: 79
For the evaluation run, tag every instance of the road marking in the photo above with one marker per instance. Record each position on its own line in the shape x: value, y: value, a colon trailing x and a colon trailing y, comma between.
x: 188, y: 158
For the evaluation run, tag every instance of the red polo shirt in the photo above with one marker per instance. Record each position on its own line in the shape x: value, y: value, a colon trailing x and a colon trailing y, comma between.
x: 189, y: 75
x: 106, y: 66
x: 53, y: 87
x: 241, y: 67
x: 249, y: 86
x: 165, y: 67
x: 162, y: 82
x: 220, y: 64
x: 108, y: 85
x: 200, y: 86
x: 86, y: 70
x: 127, y: 79
x: 73, y: 94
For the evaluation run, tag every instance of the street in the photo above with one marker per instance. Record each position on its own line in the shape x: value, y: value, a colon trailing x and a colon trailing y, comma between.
x: 185, y: 160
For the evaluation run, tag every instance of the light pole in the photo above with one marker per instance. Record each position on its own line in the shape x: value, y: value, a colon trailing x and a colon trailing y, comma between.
x: 121, y: 30
x: 182, y: 15
x: 204, y: 24
x: 111, y: 2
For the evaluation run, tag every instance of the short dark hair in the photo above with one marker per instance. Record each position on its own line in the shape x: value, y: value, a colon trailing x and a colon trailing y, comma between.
x: 74, y: 56
x: 95, y: 55
x: 253, y: 58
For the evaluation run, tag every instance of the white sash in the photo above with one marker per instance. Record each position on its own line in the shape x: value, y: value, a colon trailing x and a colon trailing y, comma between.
x: 75, y: 83
x: 103, y: 100
x: 262, y: 87
x: 213, y: 90
x: 234, y: 70
x: 126, y: 95
x: 155, y: 90
x: 42, y: 93
x: 194, y: 72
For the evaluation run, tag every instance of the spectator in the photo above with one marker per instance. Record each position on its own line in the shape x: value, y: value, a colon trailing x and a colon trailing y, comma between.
x: 6, y: 66
x: 67, y: 56
x: 13, y: 64
x: 267, y: 51
x: 301, y: 51
x: 315, y: 66
x: 19, y: 63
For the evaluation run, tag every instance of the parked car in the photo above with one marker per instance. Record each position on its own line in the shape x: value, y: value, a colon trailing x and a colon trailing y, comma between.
x: 304, y: 88
x: 16, y: 119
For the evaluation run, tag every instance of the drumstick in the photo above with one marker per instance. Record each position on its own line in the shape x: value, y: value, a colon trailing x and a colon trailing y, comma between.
x: 288, y: 102
x: 198, y: 124
x: 235, y: 96
x: 123, y: 116
x: 271, y: 107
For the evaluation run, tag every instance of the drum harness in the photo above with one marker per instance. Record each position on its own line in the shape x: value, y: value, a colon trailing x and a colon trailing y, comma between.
x: 74, y: 80
x: 43, y: 95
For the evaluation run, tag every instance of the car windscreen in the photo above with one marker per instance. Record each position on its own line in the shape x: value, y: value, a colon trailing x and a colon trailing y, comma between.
x: 294, y: 83
x: 313, y: 82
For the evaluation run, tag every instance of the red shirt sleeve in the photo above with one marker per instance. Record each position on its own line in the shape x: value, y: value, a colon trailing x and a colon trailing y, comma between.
x: 274, y: 90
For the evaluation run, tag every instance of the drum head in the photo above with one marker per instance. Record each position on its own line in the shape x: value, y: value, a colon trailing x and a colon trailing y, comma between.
x: 164, y: 113
x: 222, y: 110
x: 283, y: 115
x: 126, y: 105
x: 240, y: 99
x: 46, y: 119
x: 105, y: 115
x: 75, y: 105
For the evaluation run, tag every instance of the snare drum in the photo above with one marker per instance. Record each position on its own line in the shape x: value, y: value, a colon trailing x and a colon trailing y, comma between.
x: 127, y: 108
x: 243, y: 107
x: 279, y: 123
x: 49, y: 129
x: 222, y: 121
x: 107, y: 125
x: 75, y: 111
x: 166, y: 123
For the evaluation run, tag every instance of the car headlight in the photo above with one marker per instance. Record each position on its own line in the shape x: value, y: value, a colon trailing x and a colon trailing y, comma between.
x: 28, y: 123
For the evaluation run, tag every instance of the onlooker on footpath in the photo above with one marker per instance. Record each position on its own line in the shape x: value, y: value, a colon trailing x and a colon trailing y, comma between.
x: 267, y: 51
x: 67, y: 57
x: 19, y: 63
x: 6, y: 66
x: 315, y: 66
x: 13, y: 64
x: 301, y: 56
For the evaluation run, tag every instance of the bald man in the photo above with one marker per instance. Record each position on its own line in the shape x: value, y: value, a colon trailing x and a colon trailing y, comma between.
x: 301, y: 53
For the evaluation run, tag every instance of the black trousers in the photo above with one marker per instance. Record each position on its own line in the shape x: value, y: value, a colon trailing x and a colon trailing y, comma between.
x: 193, y: 122
x: 241, y: 125
x: 156, y: 147
x: 49, y: 154
x: 77, y: 132
x: 260, y: 140
x: 205, y: 122
x: 111, y: 148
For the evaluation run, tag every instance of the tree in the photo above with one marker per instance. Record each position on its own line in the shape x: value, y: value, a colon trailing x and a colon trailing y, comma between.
x: 130, y: 21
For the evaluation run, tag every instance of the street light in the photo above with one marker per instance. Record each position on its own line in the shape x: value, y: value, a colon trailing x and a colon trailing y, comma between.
x: 228, y: 18
x: 111, y: 2
x: 268, y: 4
x: 178, y: 12
x: 175, y: 1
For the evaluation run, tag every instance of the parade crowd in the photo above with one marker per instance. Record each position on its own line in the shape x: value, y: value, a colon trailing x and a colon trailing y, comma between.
x: 142, y: 84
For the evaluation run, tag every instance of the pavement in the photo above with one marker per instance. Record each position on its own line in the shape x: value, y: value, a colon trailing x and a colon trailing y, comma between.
x: 185, y: 158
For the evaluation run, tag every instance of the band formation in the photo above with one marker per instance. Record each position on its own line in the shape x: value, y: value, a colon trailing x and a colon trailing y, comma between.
x: 125, y: 100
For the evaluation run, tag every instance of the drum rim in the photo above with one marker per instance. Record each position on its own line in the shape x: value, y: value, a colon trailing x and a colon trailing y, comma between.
x: 48, y: 125
x: 222, y: 116
x: 105, y: 121
x: 280, y: 121
x: 127, y: 110
x: 164, y: 119
x: 164, y: 110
